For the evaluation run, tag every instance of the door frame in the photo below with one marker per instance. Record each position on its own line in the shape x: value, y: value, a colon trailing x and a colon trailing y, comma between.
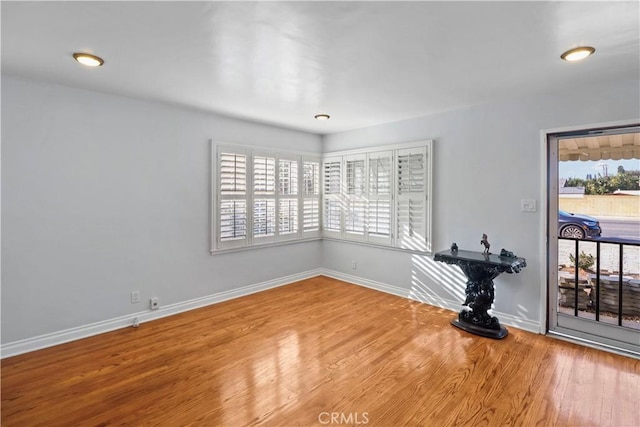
x: 545, y: 245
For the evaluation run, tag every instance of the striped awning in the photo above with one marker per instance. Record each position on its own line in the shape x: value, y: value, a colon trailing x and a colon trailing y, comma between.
x: 601, y: 147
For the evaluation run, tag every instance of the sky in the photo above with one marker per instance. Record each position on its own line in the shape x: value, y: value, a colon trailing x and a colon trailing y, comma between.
x: 579, y: 169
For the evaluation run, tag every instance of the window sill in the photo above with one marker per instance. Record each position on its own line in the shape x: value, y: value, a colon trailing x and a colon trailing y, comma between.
x: 263, y: 246
x: 313, y: 239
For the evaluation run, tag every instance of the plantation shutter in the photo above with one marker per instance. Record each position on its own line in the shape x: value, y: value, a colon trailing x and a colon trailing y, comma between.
x: 264, y: 199
x: 355, y: 196
x: 264, y: 218
x: 379, y: 197
x: 288, y: 199
x: 288, y: 177
x: 288, y: 216
x: 233, y: 173
x: 311, y: 198
x: 332, y: 176
x: 233, y: 220
x: 411, y: 202
x: 232, y: 200
x: 332, y: 204
x: 264, y: 175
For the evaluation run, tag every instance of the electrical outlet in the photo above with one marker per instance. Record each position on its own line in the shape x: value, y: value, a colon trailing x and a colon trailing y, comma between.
x: 155, y: 303
x: 528, y: 205
x: 135, y: 297
x: 354, y: 264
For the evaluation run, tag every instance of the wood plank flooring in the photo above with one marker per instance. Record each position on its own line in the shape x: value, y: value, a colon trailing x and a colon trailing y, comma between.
x: 313, y: 353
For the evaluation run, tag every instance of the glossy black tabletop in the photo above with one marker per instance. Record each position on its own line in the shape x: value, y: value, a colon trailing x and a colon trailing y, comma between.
x: 507, y: 264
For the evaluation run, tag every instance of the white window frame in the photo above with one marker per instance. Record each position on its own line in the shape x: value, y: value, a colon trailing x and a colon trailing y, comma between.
x: 408, y: 231
x: 234, y: 196
x: 250, y: 195
x: 315, y: 197
x: 374, y: 195
x: 408, y: 235
x: 354, y: 197
x: 296, y: 196
x: 332, y: 198
x: 267, y: 196
x: 418, y: 239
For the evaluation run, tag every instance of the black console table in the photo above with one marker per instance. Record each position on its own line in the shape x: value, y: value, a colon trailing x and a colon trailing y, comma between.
x: 480, y: 270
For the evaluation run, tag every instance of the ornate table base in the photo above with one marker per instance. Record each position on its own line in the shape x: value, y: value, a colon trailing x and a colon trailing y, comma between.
x: 480, y: 270
x: 479, y: 330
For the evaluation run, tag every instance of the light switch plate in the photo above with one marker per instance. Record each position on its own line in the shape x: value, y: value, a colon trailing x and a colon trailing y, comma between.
x: 528, y: 205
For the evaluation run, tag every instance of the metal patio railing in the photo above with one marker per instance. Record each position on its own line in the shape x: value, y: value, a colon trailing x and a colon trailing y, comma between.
x: 616, y: 292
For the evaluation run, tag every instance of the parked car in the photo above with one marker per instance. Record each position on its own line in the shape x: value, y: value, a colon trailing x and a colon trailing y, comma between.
x: 577, y: 226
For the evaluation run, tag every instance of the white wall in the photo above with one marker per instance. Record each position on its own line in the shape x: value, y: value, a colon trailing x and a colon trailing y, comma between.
x: 486, y: 159
x: 102, y: 195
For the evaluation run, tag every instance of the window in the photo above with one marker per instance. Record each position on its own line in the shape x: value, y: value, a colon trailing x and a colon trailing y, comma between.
x: 288, y: 204
x: 261, y: 197
x: 311, y: 197
x: 411, y: 202
x: 232, y: 198
x: 380, y: 197
x: 379, y: 209
x: 355, y: 200
x: 332, y: 203
x: 264, y: 202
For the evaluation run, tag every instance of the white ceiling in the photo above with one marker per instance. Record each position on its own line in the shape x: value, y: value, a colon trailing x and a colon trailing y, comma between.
x: 364, y: 63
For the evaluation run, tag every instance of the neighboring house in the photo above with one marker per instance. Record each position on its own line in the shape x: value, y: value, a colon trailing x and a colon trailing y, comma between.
x: 570, y: 192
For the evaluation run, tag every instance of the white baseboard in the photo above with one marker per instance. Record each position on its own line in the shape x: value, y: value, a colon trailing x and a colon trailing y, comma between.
x: 518, y: 322
x: 55, y: 338
x: 48, y: 340
x: 367, y: 283
x: 456, y: 306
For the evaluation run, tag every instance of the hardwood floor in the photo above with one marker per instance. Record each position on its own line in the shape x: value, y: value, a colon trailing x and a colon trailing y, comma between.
x: 318, y: 352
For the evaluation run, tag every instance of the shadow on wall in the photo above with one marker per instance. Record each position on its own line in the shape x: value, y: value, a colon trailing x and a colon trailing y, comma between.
x: 450, y: 279
x: 444, y: 285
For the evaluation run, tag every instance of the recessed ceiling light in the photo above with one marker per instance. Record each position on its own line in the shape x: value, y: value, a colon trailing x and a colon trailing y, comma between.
x: 88, y: 59
x: 577, y: 54
x: 322, y: 117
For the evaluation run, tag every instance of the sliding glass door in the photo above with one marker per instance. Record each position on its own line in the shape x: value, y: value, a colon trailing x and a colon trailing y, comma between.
x: 594, y: 236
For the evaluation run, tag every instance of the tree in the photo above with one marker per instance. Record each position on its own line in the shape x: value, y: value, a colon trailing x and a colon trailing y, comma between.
x: 596, y: 185
x: 609, y: 184
x: 575, y: 182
